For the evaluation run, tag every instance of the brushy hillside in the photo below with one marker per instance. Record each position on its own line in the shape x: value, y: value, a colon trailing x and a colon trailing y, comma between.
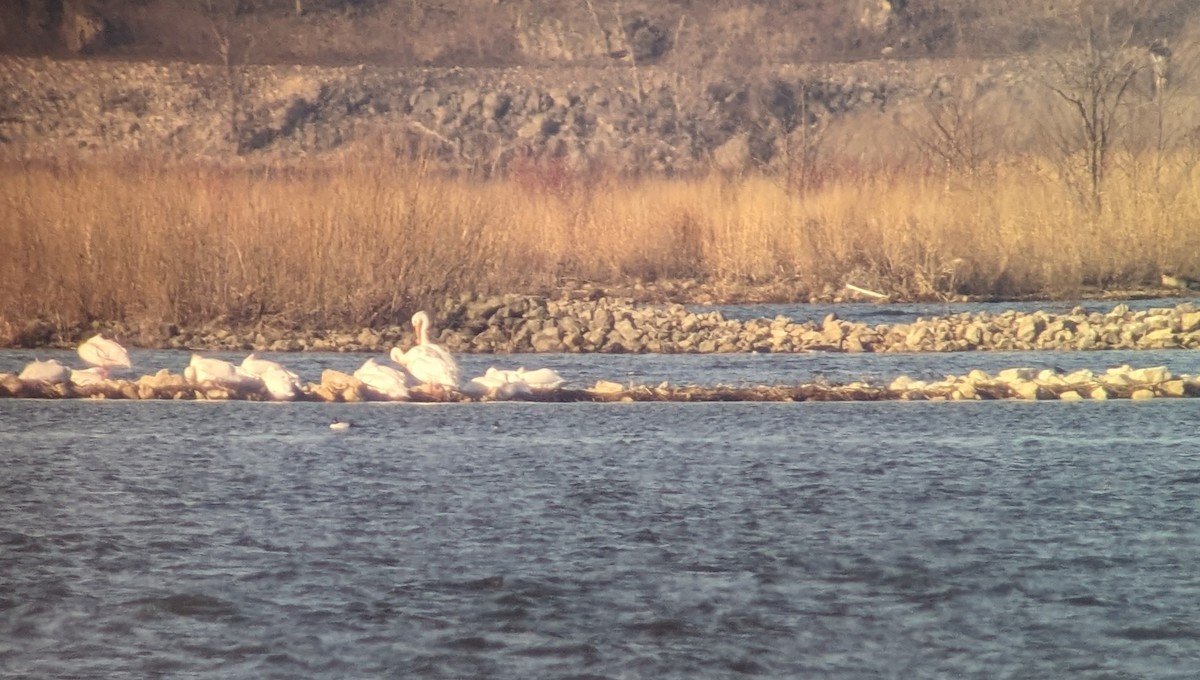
x: 531, y: 32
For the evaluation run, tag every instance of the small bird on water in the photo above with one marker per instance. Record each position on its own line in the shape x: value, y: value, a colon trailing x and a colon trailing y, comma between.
x: 339, y: 425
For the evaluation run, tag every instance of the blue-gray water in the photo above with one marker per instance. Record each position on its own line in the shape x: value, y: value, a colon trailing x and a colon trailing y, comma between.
x: 869, y: 540
x: 893, y: 313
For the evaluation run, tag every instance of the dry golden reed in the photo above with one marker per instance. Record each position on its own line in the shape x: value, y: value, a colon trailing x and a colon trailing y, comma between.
x: 355, y: 241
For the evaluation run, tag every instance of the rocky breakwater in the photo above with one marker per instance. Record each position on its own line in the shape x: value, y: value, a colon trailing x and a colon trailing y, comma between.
x: 1123, y: 382
x: 1015, y: 383
x: 617, y: 325
x: 602, y: 324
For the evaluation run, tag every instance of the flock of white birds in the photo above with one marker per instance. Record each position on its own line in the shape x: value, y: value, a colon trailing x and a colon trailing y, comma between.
x: 426, y: 365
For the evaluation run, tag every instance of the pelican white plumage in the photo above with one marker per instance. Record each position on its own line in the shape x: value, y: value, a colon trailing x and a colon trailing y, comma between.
x: 104, y: 353
x: 87, y: 377
x: 218, y: 372
x: 427, y: 362
x: 383, y: 381
x: 49, y: 371
x: 282, y: 384
x: 257, y: 366
x: 497, y: 383
x: 541, y: 379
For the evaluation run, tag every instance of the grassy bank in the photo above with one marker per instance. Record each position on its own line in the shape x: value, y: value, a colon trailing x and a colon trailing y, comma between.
x: 362, y: 240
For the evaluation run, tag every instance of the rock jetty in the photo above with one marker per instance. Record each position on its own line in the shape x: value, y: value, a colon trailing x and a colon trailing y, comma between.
x: 602, y: 324
x: 1029, y: 384
x: 614, y: 325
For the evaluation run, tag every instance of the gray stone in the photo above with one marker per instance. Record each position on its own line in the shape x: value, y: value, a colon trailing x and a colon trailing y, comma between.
x: 547, y: 340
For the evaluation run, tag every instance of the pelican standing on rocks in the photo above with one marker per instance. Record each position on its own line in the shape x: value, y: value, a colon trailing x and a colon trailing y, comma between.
x: 103, y: 353
x: 429, y: 363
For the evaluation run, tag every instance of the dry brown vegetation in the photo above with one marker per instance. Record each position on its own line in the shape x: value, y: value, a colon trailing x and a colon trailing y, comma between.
x: 361, y: 237
x: 362, y: 240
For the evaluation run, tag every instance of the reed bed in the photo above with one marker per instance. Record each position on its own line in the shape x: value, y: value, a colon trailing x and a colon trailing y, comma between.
x: 364, y: 241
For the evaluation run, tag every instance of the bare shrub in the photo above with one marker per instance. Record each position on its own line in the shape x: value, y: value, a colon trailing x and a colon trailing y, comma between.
x: 958, y: 129
x: 232, y: 39
x: 1099, y: 86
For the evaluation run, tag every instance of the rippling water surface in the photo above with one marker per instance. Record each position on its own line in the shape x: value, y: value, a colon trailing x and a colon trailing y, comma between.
x: 869, y: 540
x: 892, y: 313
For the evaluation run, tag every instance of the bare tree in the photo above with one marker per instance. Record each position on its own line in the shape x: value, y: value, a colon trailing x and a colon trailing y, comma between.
x: 799, y: 126
x: 1172, y: 123
x: 957, y: 131
x: 1094, y: 88
x: 232, y: 43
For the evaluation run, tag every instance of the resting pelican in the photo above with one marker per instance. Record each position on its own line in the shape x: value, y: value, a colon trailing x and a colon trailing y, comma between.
x: 499, y: 383
x: 541, y: 379
x: 429, y: 363
x: 95, y: 375
x: 281, y: 383
x: 206, y: 370
x: 49, y: 371
x: 100, y: 351
x: 495, y: 384
x: 383, y: 381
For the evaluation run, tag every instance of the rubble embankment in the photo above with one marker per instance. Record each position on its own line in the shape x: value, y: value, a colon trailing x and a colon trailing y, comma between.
x: 524, y: 323
x: 1123, y: 382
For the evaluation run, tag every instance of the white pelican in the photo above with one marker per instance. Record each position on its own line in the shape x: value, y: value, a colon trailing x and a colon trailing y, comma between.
x: 541, y: 379
x: 499, y: 383
x: 100, y: 351
x: 429, y: 363
x: 384, y: 381
x: 282, y: 384
x: 496, y: 384
x: 205, y: 370
x: 95, y: 375
x: 49, y: 371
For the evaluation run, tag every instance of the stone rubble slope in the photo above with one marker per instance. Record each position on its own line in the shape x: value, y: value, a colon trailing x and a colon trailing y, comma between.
x: 600, y: 324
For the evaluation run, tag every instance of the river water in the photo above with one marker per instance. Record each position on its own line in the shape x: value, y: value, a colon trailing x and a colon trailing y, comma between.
x: 662, y: 540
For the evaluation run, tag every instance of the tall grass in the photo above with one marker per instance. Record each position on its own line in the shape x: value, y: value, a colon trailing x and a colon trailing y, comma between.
x: 365, y: 241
